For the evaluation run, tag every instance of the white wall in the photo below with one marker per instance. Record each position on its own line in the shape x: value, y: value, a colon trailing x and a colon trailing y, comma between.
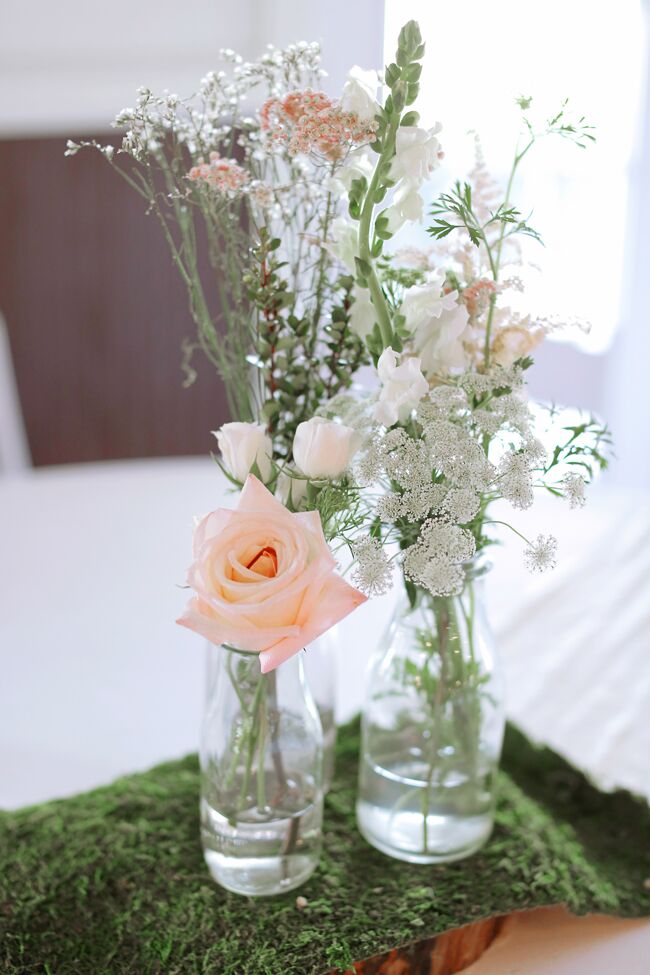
x: 68, y: 67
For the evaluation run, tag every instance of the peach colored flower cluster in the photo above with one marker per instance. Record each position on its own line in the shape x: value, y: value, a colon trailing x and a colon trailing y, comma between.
x: 477, y: 297
x: 226, y: 175
x: 309, y: 121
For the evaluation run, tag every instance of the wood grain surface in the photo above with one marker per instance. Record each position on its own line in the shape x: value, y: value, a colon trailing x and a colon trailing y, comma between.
x: 445, y: 954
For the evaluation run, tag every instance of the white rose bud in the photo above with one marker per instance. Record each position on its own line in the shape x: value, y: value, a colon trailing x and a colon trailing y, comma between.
x: 403, y: 386
x: 243, y: 444
x: 323, y: 448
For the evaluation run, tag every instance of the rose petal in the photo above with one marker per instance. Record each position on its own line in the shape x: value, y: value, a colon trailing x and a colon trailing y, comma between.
x: 336, y: 600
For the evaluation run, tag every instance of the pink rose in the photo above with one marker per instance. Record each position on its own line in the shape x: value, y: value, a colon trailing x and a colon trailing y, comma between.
x: 264, y: 578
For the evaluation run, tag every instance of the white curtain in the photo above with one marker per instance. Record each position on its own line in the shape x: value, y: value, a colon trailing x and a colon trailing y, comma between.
x: 627, y: 405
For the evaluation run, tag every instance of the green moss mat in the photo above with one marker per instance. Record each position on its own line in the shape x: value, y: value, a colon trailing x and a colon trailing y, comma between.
x: 113, y: 881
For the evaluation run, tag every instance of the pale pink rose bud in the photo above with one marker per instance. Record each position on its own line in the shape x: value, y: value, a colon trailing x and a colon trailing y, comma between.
x: 323, y: 448
x: 243, y: 444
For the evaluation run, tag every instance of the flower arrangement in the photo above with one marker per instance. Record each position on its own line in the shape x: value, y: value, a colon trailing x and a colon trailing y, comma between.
x: 297, y: 203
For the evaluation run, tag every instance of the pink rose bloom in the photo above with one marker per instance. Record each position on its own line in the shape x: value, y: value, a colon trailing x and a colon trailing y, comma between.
x: 264, y: 578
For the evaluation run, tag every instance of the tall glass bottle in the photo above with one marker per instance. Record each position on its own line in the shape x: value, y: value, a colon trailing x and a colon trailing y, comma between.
x: 432, y: 729
x: 320, y: 671
x: 261, y: 774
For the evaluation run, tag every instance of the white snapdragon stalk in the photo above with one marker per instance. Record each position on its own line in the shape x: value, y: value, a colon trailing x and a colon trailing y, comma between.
x: 363, y: 314
x: 439, y: 341
x: 343, y: 241
x: 242, y: 445
x: 323, y: 448
x: 358, y: 163
x: 407, y: 206
x: 360, y: 93
x: 403, y: 386
x: 426, y: 301
x: 417, y: 154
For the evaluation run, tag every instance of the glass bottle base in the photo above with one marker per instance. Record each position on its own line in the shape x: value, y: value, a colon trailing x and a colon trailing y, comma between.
x: 260, y: 876
x: 401, y: 834
x: 257, y: 856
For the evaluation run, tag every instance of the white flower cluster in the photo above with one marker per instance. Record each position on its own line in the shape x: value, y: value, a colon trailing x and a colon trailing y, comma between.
x: 458, y: 456
x: 373, y: 572
x: 574, y: 490
x: 435, y: 560
x: 541, y: 554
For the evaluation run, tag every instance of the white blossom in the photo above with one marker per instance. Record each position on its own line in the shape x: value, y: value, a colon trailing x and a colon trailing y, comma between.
x: 324, y: 448
x: 425, y: 301
x: 461, y: 505
x: 574, y: 490
x: 417, y: 154
x: 541, y: 554
x: 407, y: 207
x: 516, y: 479
x: 242, y: 445
x: 344, y: 242
x: 435, y: 560
x: 358, y: 163
x: 359, y: 93
x: 443, y: 578
x: 373, y: 570
x: 362, y: 315
x: 439, y: 341
x: 403, y: 386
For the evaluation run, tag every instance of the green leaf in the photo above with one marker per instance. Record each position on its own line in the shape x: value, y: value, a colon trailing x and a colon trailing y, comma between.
x: 412, y: 72
x: 411, y: 118
x: 363, y: 267
x: 270, y: 409
x: 393, y: 72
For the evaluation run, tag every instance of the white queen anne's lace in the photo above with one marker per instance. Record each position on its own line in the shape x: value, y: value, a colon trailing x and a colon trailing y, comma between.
x: 574, y: 490
x: 541, y: 554
x: 373, y: 570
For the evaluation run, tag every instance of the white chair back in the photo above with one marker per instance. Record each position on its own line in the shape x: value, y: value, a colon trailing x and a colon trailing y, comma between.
x: 14, y: 448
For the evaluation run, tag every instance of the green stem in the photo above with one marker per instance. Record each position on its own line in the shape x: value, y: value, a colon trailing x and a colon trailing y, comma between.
x: 365, y: 223
x: 495, y: 263
x: 441, y: 628
x: 252, y: 726
x: 261, y: 755
x: 507, y: 525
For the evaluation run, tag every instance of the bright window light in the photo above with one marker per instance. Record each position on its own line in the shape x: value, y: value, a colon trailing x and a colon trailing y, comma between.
x: 480, y: 57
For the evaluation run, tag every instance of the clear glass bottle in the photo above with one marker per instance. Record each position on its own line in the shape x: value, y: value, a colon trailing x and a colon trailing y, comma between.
x: 320, y: 671
x: 432, y: 729
x: 261, y: 774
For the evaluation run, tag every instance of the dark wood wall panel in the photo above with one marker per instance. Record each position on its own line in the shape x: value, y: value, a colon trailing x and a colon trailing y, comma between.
x: 96, y: 314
